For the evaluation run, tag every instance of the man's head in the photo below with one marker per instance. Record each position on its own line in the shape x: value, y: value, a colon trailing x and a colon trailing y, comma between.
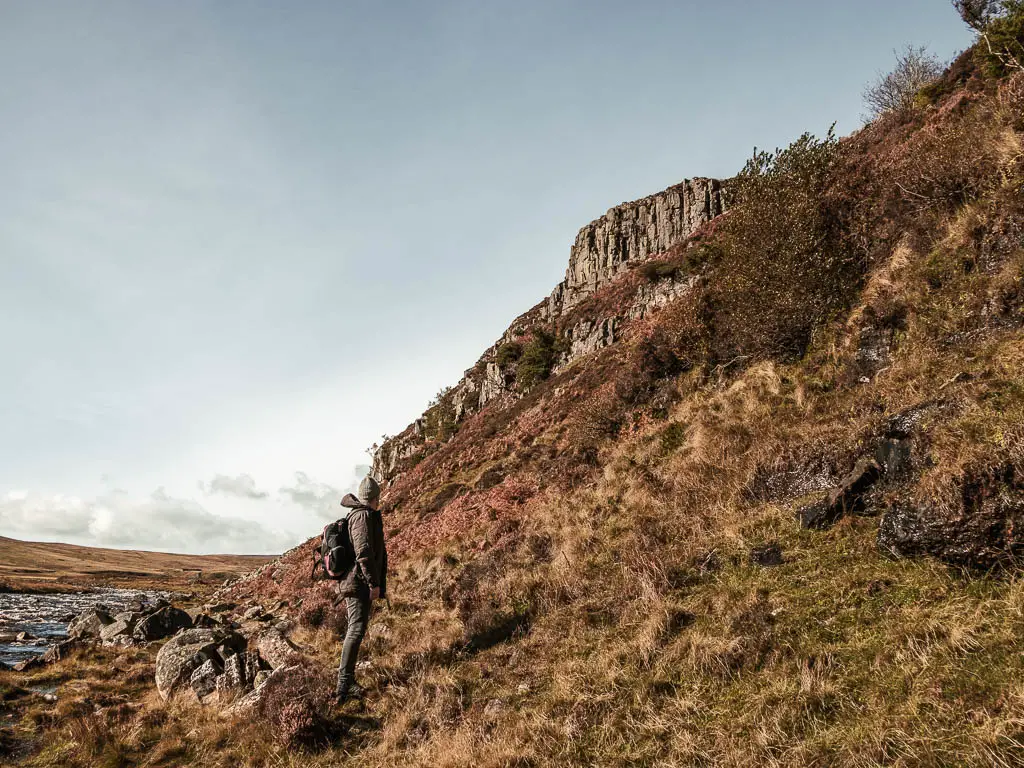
x: 369, y: 491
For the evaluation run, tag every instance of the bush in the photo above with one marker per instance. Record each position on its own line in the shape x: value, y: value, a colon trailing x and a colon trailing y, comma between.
x: 1002, y: 41
x: 654, y: 271
x: 439, y: 420
x: 787, y: 263
x: 508, y: 353
x: 319, y: 609
x: 538, y: 358
x: 1000, y: 26
x: 295, y: 705
x: 897, y: 91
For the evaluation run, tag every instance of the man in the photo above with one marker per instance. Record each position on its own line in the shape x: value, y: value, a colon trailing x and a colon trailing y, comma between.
x: 366, y: 582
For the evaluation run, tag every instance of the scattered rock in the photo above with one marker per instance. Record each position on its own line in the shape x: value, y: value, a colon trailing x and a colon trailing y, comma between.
x: 276, y: 650
x: 89, y: 623
x: 767, y: 555
x: 255, y: 612
x: 28, y: 664
x: 240, y: 673
x: 164, y: 623
x: 182, y: 655
x: 219, y: 607
x: 60, y: 651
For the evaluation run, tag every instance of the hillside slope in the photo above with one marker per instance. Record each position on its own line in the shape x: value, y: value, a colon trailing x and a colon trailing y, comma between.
x: 696, y: 540
x: 748, y: 494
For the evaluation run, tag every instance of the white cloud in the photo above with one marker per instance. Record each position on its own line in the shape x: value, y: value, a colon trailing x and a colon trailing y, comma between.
x: 159, y: 522
x: 320, y: 498
x: 242, y: 486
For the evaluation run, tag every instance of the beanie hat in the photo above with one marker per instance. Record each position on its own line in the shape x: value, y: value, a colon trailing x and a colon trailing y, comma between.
x: 369, y: 491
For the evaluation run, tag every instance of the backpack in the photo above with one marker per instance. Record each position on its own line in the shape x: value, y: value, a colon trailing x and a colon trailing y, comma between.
x: 335, y: 555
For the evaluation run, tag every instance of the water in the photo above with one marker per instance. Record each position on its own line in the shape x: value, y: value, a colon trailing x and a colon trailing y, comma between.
x: 45, y: 617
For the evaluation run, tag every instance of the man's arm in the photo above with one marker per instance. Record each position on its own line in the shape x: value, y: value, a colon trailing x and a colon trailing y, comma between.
x: 359, y: 532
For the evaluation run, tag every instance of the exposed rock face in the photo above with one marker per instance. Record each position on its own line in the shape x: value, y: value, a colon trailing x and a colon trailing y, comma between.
x: 658, y: 294
x: 496, y: 383
x: 633, y: 232
x: 984, y: 530
x: 589, y: 336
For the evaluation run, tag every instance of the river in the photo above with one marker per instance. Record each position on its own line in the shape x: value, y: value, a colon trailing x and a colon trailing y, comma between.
x: 45, y: 617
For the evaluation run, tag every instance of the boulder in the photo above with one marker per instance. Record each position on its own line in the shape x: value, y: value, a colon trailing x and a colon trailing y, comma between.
x: 182, y: 655
x: 277, y: 650
x: 24, y: 637
x: 204, y: 678
x: 120, y: 631
x: 89, y: 623
x: 164, y: 623
x: 219, y: 607
x: 980, y: 526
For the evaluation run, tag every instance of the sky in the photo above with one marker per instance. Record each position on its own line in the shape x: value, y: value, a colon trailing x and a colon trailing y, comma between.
x: 240, y: 240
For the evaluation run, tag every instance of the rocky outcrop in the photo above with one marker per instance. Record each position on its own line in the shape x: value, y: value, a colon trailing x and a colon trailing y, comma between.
x: 605, y: 249
x: 182, y: 655
x: 633, y: 232
x: 981, y: 530
x: 589, y: 336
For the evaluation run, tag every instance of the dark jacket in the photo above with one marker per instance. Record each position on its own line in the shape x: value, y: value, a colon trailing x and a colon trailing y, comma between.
x: 366, y: 532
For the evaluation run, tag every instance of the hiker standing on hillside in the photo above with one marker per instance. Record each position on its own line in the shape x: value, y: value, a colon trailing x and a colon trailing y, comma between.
x: 365, y: 582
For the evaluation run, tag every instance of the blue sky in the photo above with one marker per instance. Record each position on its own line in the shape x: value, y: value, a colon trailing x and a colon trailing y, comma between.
x: 241, y: 240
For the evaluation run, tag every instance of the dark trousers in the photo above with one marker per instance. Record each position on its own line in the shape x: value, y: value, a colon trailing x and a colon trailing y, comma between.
x: 358, y: 619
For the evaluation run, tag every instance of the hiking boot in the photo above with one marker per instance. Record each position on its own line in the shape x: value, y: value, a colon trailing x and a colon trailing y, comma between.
x: 351, y: 692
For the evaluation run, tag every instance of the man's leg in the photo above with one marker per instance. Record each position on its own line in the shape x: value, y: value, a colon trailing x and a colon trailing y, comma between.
x: 358, y: 618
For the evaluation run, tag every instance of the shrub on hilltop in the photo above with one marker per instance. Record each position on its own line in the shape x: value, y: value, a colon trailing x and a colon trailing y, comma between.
x: 786, y: 264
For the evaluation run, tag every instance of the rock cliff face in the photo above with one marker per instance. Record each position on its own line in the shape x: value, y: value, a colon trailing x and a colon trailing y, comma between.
x: 604, y: 250
x: 633, y: 232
